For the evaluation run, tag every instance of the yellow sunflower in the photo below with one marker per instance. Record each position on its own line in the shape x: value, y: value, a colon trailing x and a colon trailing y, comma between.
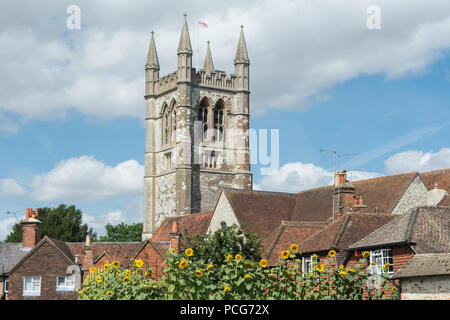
x: 138, y: 263
x: 332, y: 253
x: 263, y: 263
x: 198, y: 273
x: 99, y: 280
x: 115, y: 264
x: 183, y: 264
x: 294, y: 247
x: 343, y: 274
x: 92, y: 269
x: 350, y: 270
x: 189, y: 252
x: 226, y: 289
x: 366, y: 254
x: 209, y: 267
x: 248, y: 277
x: 386, y: 266
x: 109, y: 292
x: 394, y: 289
x: 229, y: 258
x: 106, y: 266
x: 238, y: 257
x: 341, y: 266
x: 285, y: 254
x: 319, y: 267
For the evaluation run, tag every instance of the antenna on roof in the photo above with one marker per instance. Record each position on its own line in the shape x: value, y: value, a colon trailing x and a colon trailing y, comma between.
x: 336, y: 156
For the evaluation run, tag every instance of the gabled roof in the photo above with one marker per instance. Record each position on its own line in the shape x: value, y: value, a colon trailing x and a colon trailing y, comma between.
x: 59, y: 247
x: 440, y: 177
x: 426, y: 264
x: 120, y: 251
x: 426, y: 229
x: 189, y: 224
x: 10, y: 254
x: 144, y: 244
x: 445, y: 202
x: 260, y: 211
x: 380, y: 194
x: 344, y: 231
x: 289, y: 232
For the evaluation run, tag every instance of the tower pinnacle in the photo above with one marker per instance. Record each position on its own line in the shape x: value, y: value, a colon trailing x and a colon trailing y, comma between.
x: 152, y: 56
x: 208, y: 65
x: 241, y: 52
x: 185, y: 41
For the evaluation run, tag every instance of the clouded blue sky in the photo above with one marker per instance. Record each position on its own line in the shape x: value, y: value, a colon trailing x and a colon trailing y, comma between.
x: 72, y: 107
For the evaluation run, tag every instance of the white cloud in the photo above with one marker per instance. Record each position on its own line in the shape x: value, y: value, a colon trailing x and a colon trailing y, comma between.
x: 82, y: 179
x: 6, y: 226
x: 415, y: 160
x: 296, y: 176
x: 298, y: 50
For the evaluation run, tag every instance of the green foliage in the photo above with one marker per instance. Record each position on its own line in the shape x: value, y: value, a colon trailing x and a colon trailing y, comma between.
x: 63, y: 223
x: 123, y: 232
x: 211, y: 248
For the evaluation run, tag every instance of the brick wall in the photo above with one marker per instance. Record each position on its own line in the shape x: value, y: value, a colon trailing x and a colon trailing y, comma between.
x: 152, y: 259
x: 47, y: 263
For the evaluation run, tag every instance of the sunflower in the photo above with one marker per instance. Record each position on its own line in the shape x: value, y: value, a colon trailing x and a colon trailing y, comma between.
x: 394, y: 289
x: 209, y: 267
x: 285, y: 254
x: 189, y: 252
x: 319, y: 267
x: 248, y: 277
x: 238, y: 257
x: 99, y: 280
x: 386, y: 266
x: 198, y: 273
x: 173, y: 251
x: 332, y: 253
x: 263, y: 263
x: 127, y: 273
x: 315, y: 256
x: 92, y: 269
x: 106, y: 266
x: 109, y: 292
x: 343, y: 274
x: 229, y: 258
x: 115, y: 264
x: 226, y: 289
x: 341, y: 266
x: 294, y: 247
x: 183, y: 264
x: 138, y: 263
x: 350, y: 270
x: 366, y: 254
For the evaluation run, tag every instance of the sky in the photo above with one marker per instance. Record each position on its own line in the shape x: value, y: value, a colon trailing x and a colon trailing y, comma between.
x: 367, y: 79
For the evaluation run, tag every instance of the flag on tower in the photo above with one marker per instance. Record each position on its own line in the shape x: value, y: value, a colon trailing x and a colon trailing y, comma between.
x: 203, y: 24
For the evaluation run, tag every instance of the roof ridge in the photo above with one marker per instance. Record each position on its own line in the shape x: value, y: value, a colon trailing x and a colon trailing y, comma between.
x: 258, y: 191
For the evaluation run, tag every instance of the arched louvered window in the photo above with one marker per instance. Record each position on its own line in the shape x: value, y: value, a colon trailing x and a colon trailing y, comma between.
x: 219, y: 121
x: 165, y: 125
x: 203, y: 117
x: 173, y: 128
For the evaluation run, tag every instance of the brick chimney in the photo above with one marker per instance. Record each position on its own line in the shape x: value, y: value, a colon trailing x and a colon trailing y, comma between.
x: 88, y: 257
x: 344, y: 194
x: 31, y: 229
x: 175, y: 236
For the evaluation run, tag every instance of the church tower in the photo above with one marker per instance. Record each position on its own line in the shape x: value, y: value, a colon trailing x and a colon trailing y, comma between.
x: 197, y: 138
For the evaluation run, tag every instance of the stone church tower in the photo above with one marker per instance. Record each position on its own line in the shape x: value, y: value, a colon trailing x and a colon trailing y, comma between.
x: 197, y: 125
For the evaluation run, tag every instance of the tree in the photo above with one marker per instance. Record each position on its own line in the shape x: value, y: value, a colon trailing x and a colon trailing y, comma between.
x: 62, y: 223
x: 123, y: 232
x: 212, y: 248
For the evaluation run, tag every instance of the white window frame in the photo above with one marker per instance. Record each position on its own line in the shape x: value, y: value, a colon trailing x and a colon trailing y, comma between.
x: 69, y: 283
x: 6, y: 285
x: 35, y: 286
x: 381, y: 257
x: 309, y: 264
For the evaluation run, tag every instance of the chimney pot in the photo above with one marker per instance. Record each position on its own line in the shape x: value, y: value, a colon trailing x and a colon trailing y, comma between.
x: 435, y: 186
x: 31, y: 230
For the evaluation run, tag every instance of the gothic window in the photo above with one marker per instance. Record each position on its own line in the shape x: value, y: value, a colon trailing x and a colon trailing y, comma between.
x: 174, y: 124
x: 165, y: 125
x: 219, y: 111
x: 203, y: 117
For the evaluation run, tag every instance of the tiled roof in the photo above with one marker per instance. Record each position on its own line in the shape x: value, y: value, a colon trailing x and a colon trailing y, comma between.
x: 189, y: 224
x: 380, y: 195
x: 427, y: 229
x: 10, y: 254
x: 260, y: 211
x: 289, y: 232
x: 346, y: 230
x: 445, y: 202
x: 440, y: 177
x: 425, y: 265
x: 120, y: 251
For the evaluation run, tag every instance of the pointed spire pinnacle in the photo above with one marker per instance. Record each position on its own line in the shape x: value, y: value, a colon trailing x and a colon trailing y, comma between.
x: 241, y: 52
x: 208, y: 65
x: 152, y: 56
x: 185, y: 41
